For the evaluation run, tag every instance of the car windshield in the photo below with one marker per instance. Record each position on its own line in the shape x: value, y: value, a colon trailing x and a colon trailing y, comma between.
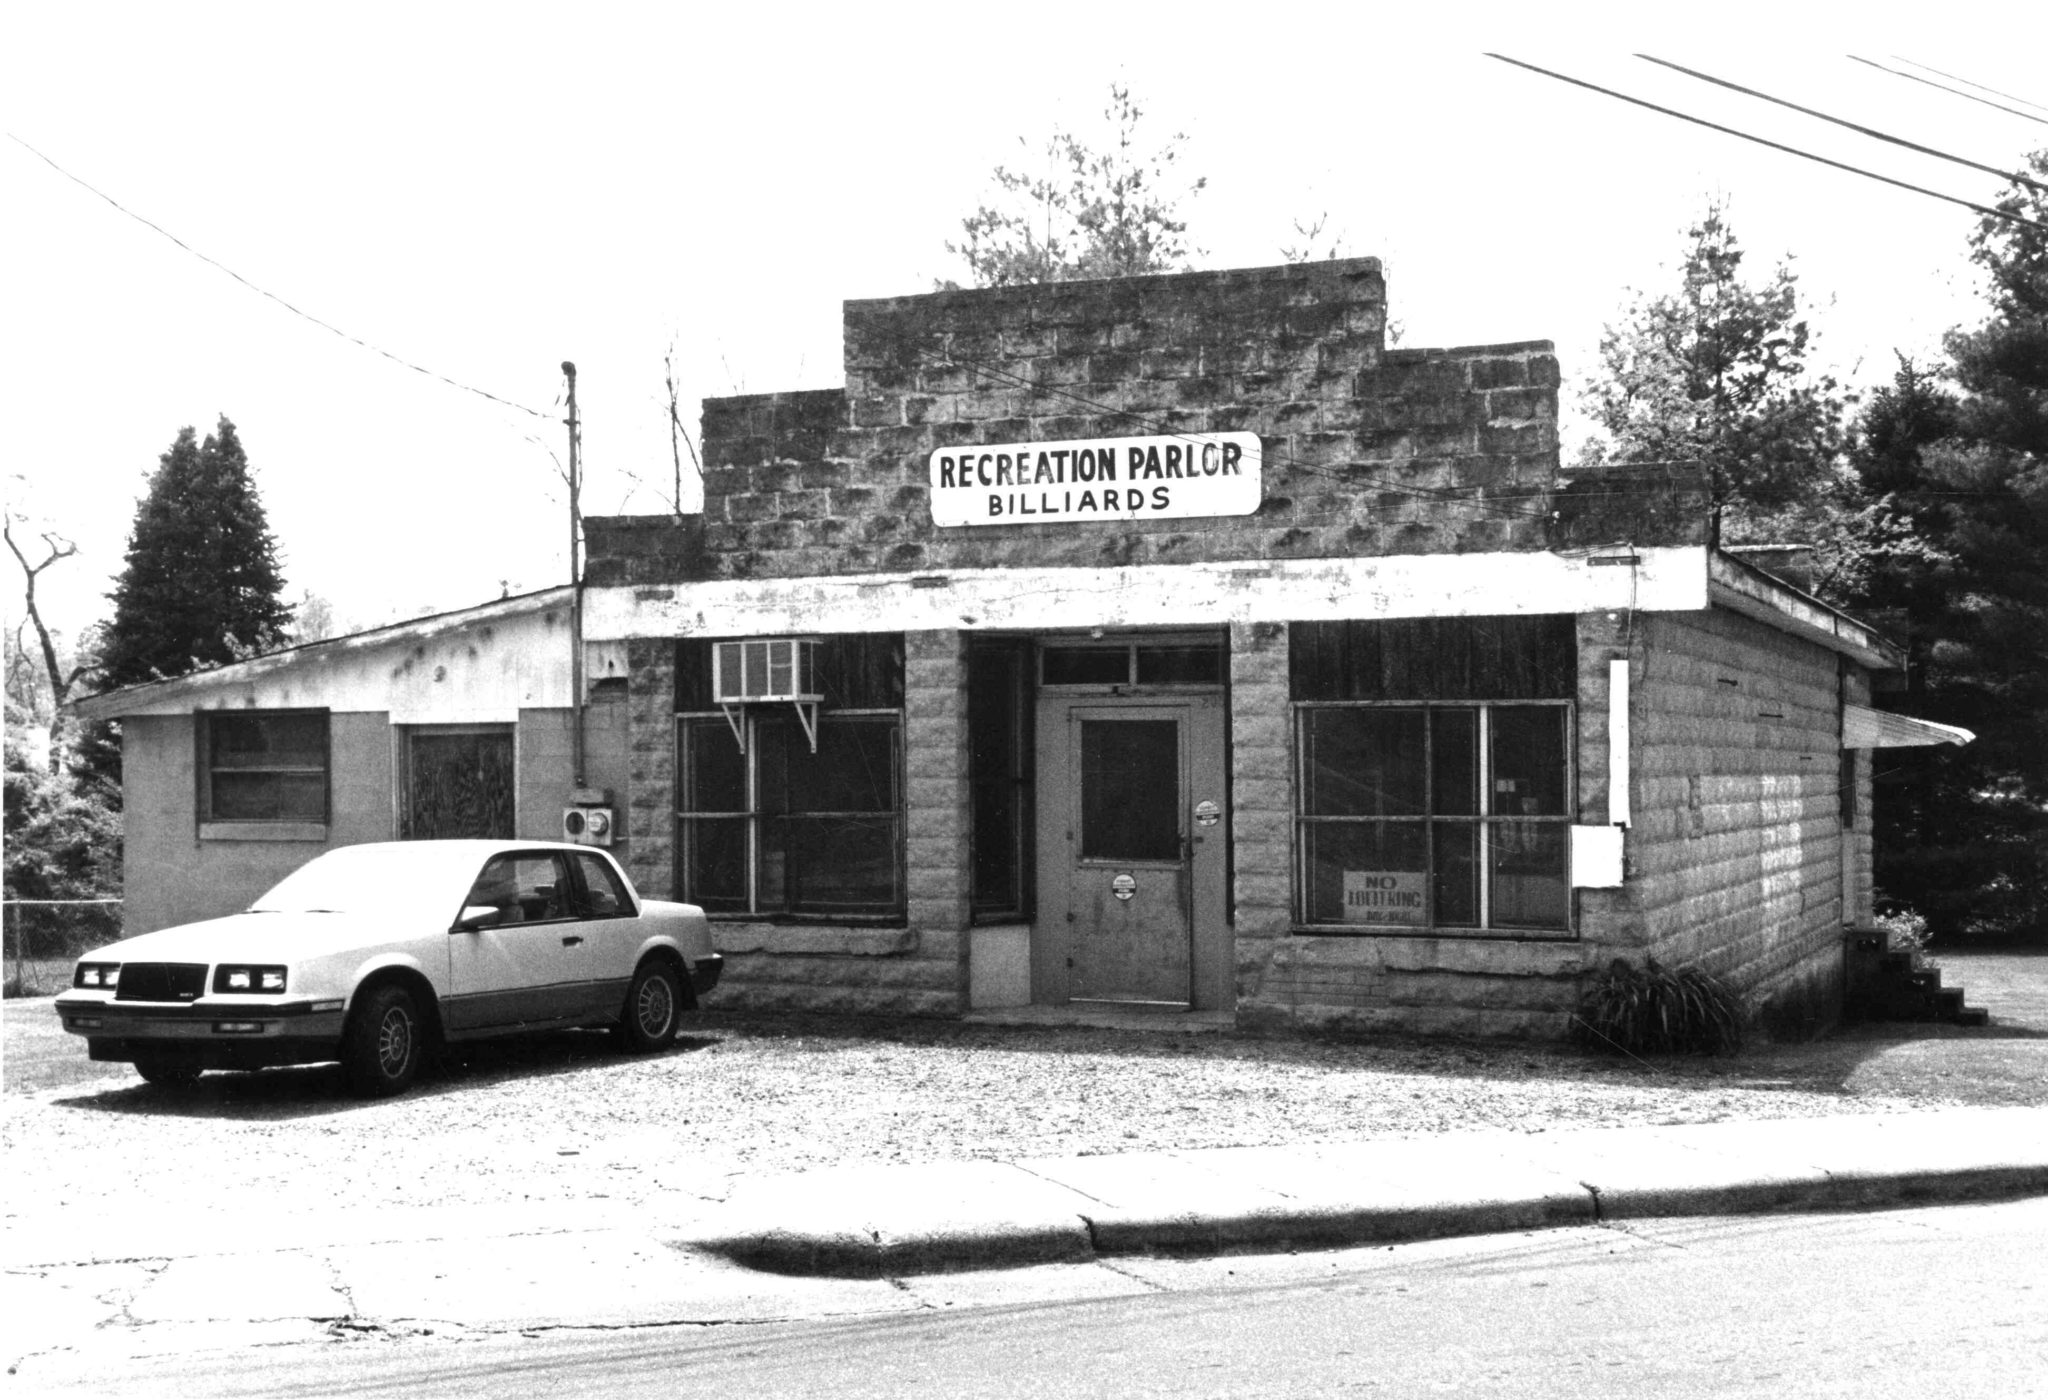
x: 415, y: 878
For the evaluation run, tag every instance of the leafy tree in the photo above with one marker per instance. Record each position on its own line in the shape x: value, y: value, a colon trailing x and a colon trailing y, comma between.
x: 63, y: 841
x: 1962, y: 833
x: 1714, y: 375
x: 202, y: 584
x: 1094, y: 213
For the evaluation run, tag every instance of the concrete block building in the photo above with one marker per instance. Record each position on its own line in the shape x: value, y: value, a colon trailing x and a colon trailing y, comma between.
x: 1164, y: 643
x: 1179, y: 644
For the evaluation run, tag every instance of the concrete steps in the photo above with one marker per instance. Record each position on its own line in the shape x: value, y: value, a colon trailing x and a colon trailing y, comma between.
x: 1884, y: 985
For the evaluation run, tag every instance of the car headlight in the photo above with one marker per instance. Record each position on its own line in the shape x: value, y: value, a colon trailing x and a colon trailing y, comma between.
x: 96, y: 975
x: 248, y: 977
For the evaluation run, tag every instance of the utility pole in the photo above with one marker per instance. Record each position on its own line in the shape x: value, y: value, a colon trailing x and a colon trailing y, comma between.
x: 575, y: 579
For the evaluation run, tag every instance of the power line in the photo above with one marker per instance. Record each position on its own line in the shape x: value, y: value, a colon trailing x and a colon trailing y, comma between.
x: 303, y: 315
x: 1867, y: 131
x: 1943, y: 87
x: 1774, y: 145
x: 1967, y: 83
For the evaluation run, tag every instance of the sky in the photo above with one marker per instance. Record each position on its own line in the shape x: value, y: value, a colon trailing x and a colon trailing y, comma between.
x: 485, y: 191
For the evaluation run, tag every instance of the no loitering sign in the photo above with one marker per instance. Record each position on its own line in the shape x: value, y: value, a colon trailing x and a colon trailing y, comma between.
x: 1140, y: 478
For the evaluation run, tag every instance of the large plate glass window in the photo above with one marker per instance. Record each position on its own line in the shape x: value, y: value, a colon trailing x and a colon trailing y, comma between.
x: 778, y: 830
x: 1448, y: 817
x: 1434, y: 778
x: 263, y: 766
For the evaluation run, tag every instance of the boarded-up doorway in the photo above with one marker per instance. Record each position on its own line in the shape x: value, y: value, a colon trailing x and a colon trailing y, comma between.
x: 458, y: 783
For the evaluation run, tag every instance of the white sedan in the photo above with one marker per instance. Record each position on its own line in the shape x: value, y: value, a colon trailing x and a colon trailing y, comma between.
x: 373, y: 954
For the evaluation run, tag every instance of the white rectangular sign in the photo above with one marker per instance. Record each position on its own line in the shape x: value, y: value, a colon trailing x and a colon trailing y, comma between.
x: 1383, y: 897
x: 1140, y: 478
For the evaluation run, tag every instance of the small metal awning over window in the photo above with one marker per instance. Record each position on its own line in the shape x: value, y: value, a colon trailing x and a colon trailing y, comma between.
x: 1865, y: 728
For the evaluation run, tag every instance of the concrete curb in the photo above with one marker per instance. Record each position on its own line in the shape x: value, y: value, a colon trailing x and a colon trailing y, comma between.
x: 882, y: 1222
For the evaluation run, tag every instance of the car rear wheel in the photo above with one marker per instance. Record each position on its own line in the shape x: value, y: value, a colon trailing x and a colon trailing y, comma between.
x: 653, y: 1010
x: 384, y: 1044
x: 166, y: 1073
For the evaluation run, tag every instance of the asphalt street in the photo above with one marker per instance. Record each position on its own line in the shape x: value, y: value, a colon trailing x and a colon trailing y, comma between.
x: 1920, y: 1303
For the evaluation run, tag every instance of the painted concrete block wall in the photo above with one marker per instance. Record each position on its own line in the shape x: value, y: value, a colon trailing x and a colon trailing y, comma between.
x: 174, y: 877
x: 1736, y: 855
x: 1361, y: 443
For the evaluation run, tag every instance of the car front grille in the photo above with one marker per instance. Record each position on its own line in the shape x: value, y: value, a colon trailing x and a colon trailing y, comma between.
x: 160, y: 982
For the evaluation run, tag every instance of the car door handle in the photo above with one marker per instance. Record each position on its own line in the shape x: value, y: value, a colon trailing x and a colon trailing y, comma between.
x: 572, y: 940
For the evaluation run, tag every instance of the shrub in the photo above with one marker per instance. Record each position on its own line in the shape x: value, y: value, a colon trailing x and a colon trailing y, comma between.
x: 1905, y: 932
x: 1653, y: 1010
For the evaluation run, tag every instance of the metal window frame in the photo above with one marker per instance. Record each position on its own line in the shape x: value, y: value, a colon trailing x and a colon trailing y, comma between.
x: 1487, y: 819
x: 753, y: 815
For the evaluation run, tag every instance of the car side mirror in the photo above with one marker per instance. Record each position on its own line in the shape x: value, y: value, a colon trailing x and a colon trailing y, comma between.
x: 476, y: 916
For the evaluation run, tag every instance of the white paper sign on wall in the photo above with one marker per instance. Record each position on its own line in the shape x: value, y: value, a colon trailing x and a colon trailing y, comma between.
x: 1139, y: 478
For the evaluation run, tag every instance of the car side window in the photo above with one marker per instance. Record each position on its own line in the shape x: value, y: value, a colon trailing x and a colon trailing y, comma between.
x: 523, y: 888
x: 602, y: 896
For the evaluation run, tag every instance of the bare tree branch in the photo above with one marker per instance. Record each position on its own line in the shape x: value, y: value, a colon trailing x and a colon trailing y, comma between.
x: 58, y: 549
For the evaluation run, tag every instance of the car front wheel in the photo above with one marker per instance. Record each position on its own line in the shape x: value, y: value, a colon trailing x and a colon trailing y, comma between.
x: 654, y: 1006
x: 165, y: 1073
x: 384, y: 1044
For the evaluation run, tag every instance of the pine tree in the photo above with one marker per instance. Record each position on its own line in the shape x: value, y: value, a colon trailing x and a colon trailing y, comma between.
x: 1962, y: 833
x: 202, y: 584
x: 1714, y: 375
x: 1095, y: 213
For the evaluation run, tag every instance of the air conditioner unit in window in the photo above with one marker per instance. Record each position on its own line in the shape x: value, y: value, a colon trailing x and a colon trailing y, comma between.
x: 587, y: 826
x: 766, y: 670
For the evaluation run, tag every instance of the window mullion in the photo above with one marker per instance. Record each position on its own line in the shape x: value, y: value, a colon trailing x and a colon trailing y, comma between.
x: 753, y: 772
x: 1485, y: 816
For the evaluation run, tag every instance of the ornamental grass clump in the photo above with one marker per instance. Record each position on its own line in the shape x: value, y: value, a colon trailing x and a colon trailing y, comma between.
x: 1654, y: 1010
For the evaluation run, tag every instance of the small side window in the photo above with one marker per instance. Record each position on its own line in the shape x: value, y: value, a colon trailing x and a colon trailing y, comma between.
x: 602, y: 896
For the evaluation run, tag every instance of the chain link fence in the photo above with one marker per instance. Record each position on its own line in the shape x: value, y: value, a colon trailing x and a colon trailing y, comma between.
x: 42, y: 936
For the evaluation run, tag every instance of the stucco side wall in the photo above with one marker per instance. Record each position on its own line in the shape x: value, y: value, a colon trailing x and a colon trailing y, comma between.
x: 545, y: 750
x: 1736, y: 855
x: 173, y: 877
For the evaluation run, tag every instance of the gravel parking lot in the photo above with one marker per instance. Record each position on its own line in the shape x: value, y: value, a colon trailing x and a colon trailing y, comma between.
x: 563, y: 1119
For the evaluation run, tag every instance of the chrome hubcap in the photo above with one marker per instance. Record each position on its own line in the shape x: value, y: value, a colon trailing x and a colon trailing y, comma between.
x: 394, y: 1041
x: 655, y: 1006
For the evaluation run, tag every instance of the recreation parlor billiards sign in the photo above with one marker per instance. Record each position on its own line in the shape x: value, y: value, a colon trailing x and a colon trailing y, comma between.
x: 1138, y: 478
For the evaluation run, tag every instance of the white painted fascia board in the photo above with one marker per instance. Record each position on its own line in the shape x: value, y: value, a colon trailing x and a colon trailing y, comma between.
x: 1181, y: 595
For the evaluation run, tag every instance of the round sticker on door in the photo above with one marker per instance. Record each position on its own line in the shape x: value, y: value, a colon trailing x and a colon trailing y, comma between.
x: 1207, y: 814
x: 1124, y: 886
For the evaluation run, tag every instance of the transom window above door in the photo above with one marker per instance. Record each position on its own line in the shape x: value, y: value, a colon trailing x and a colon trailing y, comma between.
x: 1200, y: 661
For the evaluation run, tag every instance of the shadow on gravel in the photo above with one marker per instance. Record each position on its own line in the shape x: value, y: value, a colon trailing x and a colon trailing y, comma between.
x: 311, y: 1091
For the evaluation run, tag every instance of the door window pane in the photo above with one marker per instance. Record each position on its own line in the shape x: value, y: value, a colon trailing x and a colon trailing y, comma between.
x: 1130, y: 789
